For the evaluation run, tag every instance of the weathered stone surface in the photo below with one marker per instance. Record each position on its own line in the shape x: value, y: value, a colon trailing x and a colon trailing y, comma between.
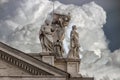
x: 56, y: 31
x: 30, y: 78
x: 10, y: 70
x: 48, y: 59
x: 74, y: 44
x: 31, y: 62
x: 62, y: 68
x: 61, y: 65
x: 73, y: 68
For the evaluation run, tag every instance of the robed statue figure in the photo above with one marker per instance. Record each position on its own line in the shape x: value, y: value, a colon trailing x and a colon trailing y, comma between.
x: 45, y: 38
x: 74, y: 44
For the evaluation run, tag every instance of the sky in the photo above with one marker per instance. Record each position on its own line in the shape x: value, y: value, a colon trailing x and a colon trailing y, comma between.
x: 112, y: 27
x: 97, y: 22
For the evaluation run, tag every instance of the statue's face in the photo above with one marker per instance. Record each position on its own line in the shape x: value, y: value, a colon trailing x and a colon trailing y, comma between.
x: 74, y: 27
x: 65, y: 18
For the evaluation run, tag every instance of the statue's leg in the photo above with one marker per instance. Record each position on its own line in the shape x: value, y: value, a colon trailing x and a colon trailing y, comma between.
x: 77, y: 52
x: 73, y: 52
x: 61, y: 53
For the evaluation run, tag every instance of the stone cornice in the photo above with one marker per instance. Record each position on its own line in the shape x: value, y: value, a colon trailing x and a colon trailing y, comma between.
x: 27, y: 59
x: 22, y: 65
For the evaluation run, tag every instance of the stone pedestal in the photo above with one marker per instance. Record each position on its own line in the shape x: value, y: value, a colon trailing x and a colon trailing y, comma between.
x: 48, y: 59
x: 69, y: 65
x: 66, y: 64
x: 61, y: 63
x: 73, y: 66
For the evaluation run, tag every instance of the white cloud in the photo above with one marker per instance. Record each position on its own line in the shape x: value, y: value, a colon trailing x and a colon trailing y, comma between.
x: 3, y: 1
x: 21, y: 31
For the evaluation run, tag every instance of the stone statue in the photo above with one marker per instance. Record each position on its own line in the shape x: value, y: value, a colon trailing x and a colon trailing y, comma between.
x: 58, y: 48
x: 58, y: 28
x: 45, y: 38
x: 55, y: 31
x: 59, y: 23
x: 74, y: 44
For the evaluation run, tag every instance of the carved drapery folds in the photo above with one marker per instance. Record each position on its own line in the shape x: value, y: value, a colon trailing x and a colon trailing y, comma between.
x: 56, y: 31
x: 74, y: 44
x: 44, y: 36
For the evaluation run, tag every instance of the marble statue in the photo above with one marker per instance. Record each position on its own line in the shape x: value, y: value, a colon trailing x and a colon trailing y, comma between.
x: 58, y: 28
x: 45, y: 38
x: 59, y: 23
x: 56, y: 31
x: 74, y: 44
x: 58, y: 48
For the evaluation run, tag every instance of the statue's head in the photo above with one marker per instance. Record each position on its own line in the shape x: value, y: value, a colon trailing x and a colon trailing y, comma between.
x: 74, y: 27
x: 61, y: 17
x: 47, y: 22
x: 66, y: 19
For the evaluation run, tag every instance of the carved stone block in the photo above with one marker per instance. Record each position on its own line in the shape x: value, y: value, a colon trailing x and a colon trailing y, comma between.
x: 48, y: 59
x: 73, y: 68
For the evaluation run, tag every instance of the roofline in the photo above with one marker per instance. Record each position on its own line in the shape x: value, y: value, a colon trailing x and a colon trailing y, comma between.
x: 48, y: 65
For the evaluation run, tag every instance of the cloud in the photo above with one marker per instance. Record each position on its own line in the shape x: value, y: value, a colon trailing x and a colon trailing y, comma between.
x: 3, y: 1
x: 105, y: 66
x: 89, y: 23
x: 21, y: 23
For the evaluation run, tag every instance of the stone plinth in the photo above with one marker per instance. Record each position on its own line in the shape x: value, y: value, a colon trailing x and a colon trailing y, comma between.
x: 69, y: 65
x: 48, y: 58
x: 73, y: 66
x: 60, y: 63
